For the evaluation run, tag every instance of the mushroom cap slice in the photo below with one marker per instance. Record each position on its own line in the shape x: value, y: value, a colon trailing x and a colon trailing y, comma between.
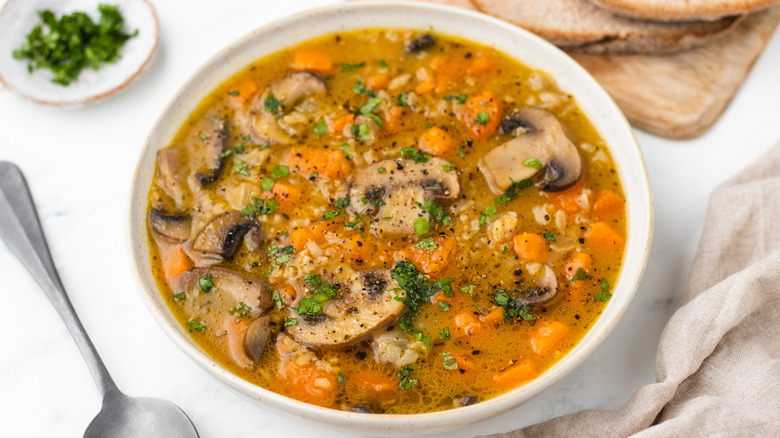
x: 256, y: 337
x: 229, y: 288
x: 539, y: 135
x: 172, y: 227
x: 397, y: 191
x: 169, y: 174
x: 222, y: 235
x: 365, y: 307
x: 214, y: 145
x: 544, y: 292
x: 288, y: 91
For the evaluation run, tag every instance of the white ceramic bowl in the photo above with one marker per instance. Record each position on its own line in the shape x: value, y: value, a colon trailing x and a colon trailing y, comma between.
x: 515, y: 42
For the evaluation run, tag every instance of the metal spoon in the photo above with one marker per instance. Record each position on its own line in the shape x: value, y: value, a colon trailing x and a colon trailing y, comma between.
x: 121, y: 415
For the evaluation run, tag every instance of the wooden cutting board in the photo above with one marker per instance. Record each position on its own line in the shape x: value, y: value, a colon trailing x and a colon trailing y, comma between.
x: 680, y: 96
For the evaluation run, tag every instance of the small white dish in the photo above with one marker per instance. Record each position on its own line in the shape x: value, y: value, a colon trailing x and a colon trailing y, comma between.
x: 18, y: 18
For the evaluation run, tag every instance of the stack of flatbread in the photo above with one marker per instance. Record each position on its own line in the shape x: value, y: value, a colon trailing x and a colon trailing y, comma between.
x: 621, y: 27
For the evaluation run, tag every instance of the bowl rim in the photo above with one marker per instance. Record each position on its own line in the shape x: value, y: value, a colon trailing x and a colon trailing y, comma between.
x: 628, y: 280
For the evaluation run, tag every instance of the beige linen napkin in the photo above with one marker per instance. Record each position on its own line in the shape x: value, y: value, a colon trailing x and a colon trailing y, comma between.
x: 718, y: 364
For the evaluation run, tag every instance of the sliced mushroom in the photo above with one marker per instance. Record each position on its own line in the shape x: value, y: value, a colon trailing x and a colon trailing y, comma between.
x: 169, y: 176
x: 214, y: 145
x: 467, y: 400
x: 256, y: 337
x: 397, y: 191
x: 222, y: 235
x: 538, y: 135
x: 420, y: 43
x: 366, y: 307
x: 288, y: 91
x: 228, y: 286
x: 360, y: 408
x: 173, y: 227
x: 545, y: 290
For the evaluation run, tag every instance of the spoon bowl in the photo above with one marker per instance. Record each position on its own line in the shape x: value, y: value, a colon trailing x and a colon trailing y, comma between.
x: 121, y: 415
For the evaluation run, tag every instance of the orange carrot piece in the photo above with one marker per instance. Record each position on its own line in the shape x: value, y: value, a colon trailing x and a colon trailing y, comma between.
x: 337, y: 126
x: 493, y: 318
x: 480, y: 66
x: 480, y: 127
x: 566, y: 200
x: 312, y: 60
x: 426, y: 85
x: 602, y: 237
x: 316, y: 232
x: 377, y: 82
x: 436, y: 141
x: 393, y: 119
x: 288, y: 293
x: 286, y: 195
x: 309, y: 384
x: 431, y: 262
x: 576, y: 261
x: 175, y: 262
x: 375, y: 383
x: 607, y: 206
x: 468, y: 323
x: 521, y: 371
x: 328, y: 163
x: 465, y: 366
x: 359, y: 250
x: 531, y: 247
x: 247, y: 90
x: 447, y: 72
x: 548, y: 337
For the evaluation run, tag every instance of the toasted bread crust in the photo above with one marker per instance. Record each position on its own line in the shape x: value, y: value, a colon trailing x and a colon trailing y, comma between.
x: 676, y: 10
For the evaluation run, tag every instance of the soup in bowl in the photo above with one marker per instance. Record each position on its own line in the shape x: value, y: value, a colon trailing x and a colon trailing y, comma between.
x: 390, y: 222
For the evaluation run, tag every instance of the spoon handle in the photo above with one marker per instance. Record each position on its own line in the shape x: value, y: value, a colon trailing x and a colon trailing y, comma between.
x: 21, y: 230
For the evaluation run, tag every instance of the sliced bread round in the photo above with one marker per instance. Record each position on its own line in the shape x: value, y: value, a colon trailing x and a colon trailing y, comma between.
x: 579, y: 25
x: 675, y: 10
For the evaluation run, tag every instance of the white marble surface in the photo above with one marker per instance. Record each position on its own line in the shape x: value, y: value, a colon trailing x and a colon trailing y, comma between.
x: 79, y: 165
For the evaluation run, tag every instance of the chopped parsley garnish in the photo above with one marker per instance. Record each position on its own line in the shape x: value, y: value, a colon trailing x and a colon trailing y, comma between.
x: 347, y: 150
x: 265, y: 145
x: 309, y: 307
x: 445, y: 333
x: 448, y: 167
x: 272, y: 105
x: 368, y: 109
x: 241, y: 168
x: 180, y: 296
x: 468, y: 289
x: 346, y: 67
x: 278, y: 299
x: 438, y: 214
x: 247, y: 137
x: 260, y: 207
x: 421, y: 226
x: 445, y: 284
x: 269, y: 271
x: 444, y: 306
x: 314, y: 280
x: 330, y: 215
x: 283, y: 259
x: 381, y: 170
x: 513, y: 308
x: 450, y: 364
x: 74, y: 42
x: 532, y: 162
x: 549, y: 236
x: 280, y: 171
x: 489, y: 212
x: 414, y: 154
x: 206, y: 283
x: 267, y: 183
x: 579, y: 275
x: 312, y: 305
x: 407, y: 382
x: 461, y: 98
x: 202, y: 136
x: 414, y: 283
x: 342, y: 202
x: 289, y: 322
x: 341, y: 379
x: 402, y: 100
x: 361, y: 132
x: 320, y: 129
x: 428, y: 244
x: 482, y: 118
x: 240, y: 149
x: 382, y: 63
x: 245, y: 310
x: 234, y: 93
x: 359, y: 88
x: 604, y: 294
x: 513, y: 191
x: 196, y: 326
x: 505, y: 250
